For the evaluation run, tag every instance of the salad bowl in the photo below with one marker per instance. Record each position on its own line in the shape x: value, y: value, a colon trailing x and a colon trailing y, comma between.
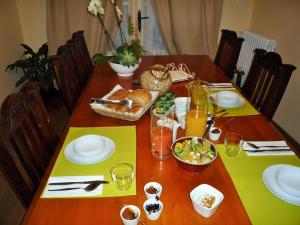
x: 193, y: 153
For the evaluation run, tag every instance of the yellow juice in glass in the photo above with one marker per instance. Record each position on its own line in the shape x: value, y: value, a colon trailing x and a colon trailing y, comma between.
x: 195, y: 123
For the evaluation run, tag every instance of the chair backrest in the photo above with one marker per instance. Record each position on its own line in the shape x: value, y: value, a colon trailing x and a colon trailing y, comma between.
x: 73, y: 67
x: 228, y: 52
x: 67, y: 76
x: 79, y: 40
x: 27, y: 141
x: 267, y: 81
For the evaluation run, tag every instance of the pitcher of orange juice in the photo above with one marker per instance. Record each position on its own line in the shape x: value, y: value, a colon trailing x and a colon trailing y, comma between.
x: 196, y: 117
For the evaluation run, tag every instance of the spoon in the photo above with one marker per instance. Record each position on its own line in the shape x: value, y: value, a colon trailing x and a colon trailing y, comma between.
x: 88, y: 188
x: 127, y: 102
x: 141, y: 221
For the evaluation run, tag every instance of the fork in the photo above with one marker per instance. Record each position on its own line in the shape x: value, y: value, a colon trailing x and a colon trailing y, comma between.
x: 266, y: 146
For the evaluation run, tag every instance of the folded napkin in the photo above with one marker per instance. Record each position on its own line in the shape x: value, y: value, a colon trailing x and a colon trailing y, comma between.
x: 218, y: 86
x: 277, y: 147
x: 71, y: 193
x: 179, y: 75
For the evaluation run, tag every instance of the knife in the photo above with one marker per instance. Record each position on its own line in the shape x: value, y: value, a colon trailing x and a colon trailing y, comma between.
x: 79, y: 182
x: 269, y: 150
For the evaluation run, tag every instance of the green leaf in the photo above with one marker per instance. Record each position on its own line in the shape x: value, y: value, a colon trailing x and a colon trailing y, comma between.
x: 100, y: 58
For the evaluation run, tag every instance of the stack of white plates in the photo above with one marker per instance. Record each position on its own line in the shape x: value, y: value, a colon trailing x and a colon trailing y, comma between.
x: 284, y: 182
x: 89, y: 149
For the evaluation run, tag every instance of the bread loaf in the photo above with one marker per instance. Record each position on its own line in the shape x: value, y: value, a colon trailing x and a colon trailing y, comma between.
x: 141, y: 96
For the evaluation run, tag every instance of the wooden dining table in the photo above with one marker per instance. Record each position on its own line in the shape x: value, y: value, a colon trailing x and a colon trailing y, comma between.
x: 177, y: 183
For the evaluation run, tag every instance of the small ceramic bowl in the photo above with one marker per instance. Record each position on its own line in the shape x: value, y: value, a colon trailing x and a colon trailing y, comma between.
x: 134, y: 209
x: 150, y: 211
x: 215, y: 133
x: 199, y: 196
x: 89, y: 145
x: 155, y: 185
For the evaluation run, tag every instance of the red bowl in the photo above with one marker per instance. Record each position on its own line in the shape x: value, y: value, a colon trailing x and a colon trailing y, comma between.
x: 192, y: 166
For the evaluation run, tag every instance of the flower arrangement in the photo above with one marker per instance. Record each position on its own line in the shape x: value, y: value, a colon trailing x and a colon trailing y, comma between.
x: 128, y: 53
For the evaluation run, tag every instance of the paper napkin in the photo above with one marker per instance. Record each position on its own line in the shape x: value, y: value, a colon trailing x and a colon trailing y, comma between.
x: 283, y: 148
x: 71, y: 193
x: 179, y: 75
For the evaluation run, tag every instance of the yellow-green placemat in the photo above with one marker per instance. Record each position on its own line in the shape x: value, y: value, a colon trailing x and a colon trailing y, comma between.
x: 125, y: 141
x: 246, y: 110
x: 263, y: 207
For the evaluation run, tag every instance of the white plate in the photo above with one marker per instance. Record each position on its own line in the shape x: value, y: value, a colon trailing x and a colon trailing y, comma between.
x: 270, y: 178
x: 288, y: 179
x: 239, y: 103
x: 109, y: 148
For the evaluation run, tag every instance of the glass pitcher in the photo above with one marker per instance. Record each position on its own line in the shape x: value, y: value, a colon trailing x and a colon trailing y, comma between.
x: 197, y: 111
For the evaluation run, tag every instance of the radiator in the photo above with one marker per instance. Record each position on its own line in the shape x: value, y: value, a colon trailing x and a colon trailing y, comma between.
x: 251, y: 42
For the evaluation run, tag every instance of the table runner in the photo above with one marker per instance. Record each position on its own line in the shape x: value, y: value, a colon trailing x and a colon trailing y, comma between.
x: 125, y: 140
x: 246, y: 110
x: 261, y: 205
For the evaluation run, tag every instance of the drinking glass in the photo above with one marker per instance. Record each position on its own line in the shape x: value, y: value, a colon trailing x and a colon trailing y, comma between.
x: 161, y: 132
x: 233, y: 143
x: 122, y: 175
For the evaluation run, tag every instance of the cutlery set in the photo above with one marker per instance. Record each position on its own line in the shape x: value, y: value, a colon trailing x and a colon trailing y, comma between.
x: 91, y: 185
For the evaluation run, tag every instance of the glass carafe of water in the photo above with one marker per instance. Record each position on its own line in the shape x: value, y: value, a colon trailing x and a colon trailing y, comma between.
x: 197, y: 111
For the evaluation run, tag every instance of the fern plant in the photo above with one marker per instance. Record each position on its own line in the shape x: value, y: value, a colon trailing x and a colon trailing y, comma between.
x: 35, y: 66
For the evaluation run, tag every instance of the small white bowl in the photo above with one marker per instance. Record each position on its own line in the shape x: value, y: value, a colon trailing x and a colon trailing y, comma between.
x: 157, y: 186
x: 137, y: 212
x: 198, y: 193
x: 89, y: 145
x: 153, y: 215
x: 213, y: 135
x: 227, y: 98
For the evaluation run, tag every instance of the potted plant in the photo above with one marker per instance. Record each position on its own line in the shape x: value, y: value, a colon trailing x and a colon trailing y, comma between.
x: 124, y: 59
x: 35, y: 67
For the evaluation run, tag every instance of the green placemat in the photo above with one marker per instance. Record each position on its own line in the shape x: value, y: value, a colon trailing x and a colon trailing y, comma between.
x: 125, y: 140
x: 262, y: 206
x: 246, y: 110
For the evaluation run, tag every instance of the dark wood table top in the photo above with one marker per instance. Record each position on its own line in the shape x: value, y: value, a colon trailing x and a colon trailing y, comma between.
x: 176, y: 182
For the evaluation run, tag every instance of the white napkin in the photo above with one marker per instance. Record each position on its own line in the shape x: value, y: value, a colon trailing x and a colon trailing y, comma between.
x: 275, y: 150
x: 71, y: 193
x: 179, y: 75
x: 220, y: 86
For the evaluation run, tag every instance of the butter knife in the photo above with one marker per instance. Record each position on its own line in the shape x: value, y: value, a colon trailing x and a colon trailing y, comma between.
x: 79, y: 182
x: 269, y: 150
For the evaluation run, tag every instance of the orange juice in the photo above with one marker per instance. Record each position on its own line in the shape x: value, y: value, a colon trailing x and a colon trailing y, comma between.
x: 195, y: 123
x: 161, y: 141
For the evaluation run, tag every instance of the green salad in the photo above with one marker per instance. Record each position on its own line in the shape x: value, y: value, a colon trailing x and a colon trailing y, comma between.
x: 196, y: 152
x: 165, y: 102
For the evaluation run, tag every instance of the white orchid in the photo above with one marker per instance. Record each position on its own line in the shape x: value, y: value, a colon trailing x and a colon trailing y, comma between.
x: 95, y: 7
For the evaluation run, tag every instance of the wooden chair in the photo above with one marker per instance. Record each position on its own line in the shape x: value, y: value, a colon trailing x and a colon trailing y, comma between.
x: 27, y: 141
x: 267, y: 81
x: 79, y: 40
x: 73, y: 67
x: 67, y: 76
x: 228, y: 52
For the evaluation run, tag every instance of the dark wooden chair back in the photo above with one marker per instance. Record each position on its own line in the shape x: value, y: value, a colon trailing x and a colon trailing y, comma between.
x: 267, y: 81
x: 79, y: 40
x: 228, y: 52
x: 27, y: 141
x: 67, y: 76
x: 73, y: 67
